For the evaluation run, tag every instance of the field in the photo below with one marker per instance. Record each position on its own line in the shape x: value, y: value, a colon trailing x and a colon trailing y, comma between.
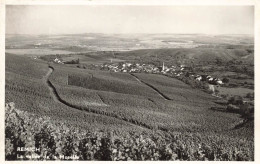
x: 170, y: 48
x: 26, y: 87
x: 121, y: 42
x: 151, y: 109
x: 56, y: 142
x: 36, y: 52
x: 234, y: 91
x: 125, y: 104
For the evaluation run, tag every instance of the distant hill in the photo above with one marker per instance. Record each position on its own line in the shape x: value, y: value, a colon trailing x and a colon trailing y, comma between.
x: 122, y: 42
x: 184, y: 55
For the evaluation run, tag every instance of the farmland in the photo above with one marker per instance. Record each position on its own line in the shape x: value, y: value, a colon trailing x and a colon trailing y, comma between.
x: 105, y: 115
x: 90, y: 105
x: 56, y: 142
x: 149, y: 110
x: 29, y: 91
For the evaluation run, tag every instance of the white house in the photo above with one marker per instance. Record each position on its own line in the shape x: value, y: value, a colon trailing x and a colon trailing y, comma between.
x: 199, y: 78
x: 219, y: 82
x: 56, y: 60
x: 210, y: 79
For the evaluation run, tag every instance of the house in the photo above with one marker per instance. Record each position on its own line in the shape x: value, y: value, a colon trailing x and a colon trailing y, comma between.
x: 188, y: 74
x: 167, y: 70
x: 219, y: 82
x: 56, y: 60
x: 198, y: 78
x: 128, y: 64
x: 132, y: 70
x: 210, y: 79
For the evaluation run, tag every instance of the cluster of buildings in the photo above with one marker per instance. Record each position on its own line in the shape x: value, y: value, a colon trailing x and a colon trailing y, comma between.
x: 56, y: 60
x: 177, y: 71
x: 147, y: 68
x: 207, y: 78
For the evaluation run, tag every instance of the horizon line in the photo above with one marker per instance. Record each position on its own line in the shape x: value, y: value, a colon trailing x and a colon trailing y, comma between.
x: 132, y: 33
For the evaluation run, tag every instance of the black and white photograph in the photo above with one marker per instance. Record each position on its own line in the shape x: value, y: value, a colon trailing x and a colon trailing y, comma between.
x: 107, y: 82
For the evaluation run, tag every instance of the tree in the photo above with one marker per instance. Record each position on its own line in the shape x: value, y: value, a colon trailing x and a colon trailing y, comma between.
x: 236, y: 100
x: 225, y: 80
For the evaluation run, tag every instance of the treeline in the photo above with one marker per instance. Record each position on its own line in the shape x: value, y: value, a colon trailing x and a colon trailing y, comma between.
x: 237, y: 104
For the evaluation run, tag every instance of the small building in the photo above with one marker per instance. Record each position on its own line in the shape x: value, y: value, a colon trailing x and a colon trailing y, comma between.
x: 198, y: 78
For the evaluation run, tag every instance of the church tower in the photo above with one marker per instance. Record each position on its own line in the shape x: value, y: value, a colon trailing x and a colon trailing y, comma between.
x: 163, y: 67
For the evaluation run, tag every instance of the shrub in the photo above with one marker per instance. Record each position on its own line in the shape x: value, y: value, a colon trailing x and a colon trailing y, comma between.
x: 236, y: 100
x: 225, y: 80
x: 233, y: 108
x: 247, y: 111
x: 250, y: 95
x: 237, y: 105
x: 72, y: 62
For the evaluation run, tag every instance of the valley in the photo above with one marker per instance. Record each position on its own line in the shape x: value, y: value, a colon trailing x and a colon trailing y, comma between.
x: 90, y: 92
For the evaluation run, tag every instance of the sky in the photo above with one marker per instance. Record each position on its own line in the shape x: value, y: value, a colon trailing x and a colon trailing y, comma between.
x: 44, y: 19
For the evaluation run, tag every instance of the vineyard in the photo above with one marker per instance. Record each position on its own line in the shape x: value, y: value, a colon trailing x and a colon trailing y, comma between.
x: 102, y: 116
x: 53, y: 140
x: 31, y: 94
x: 177, y: 90
x: 152, y: 112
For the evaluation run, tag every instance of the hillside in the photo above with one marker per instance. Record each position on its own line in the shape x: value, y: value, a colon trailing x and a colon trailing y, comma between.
x: 124, y: 103
x: 25, y: 85
x: 186, y: 56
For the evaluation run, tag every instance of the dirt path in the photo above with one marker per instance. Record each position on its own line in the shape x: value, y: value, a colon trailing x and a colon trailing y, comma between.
x: 50, y: 86
x: 58, y: 99
x: 149, y: 85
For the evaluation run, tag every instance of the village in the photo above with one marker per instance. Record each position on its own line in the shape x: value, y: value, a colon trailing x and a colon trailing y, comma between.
x: 173, y: 71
